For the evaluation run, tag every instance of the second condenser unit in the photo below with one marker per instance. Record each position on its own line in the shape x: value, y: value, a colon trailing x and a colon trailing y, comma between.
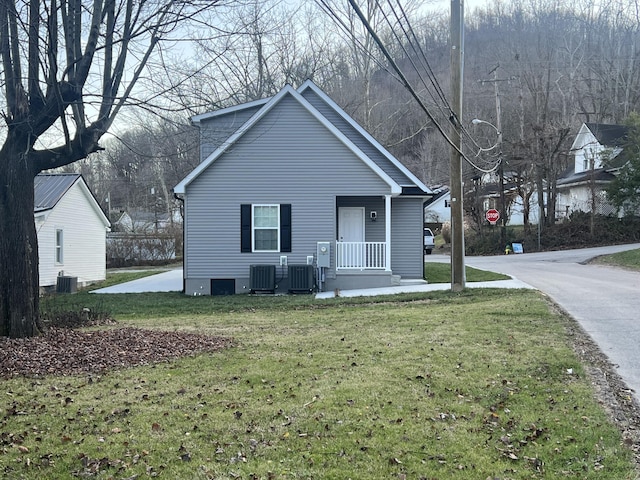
x: 301, y: 278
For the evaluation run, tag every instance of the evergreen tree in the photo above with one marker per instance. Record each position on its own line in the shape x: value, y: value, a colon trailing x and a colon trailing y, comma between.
x: 624, y: 190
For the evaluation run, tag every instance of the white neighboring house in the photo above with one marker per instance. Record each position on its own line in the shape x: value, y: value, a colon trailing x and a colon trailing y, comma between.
x: 598, y: 156
x: 71, y: 229
x: 145, y: 221
x: 489, y: 193
x: 438, y: 208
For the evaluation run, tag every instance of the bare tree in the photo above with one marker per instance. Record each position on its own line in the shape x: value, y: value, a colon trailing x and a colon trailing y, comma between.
x: 68, y: 68
x: 154, y: 153
x: 256, y: 48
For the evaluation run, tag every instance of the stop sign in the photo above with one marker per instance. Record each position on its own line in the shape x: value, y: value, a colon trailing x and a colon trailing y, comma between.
x: 492, y: 215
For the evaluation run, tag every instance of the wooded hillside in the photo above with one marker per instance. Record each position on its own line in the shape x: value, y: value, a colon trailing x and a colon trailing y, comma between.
x: 552, y: 64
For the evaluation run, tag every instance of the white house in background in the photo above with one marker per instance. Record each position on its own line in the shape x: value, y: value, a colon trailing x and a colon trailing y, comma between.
x: 71, y: 229
x: 438, y: 208
x: 489, y: 194
x: 144, y: 221
x: 598, y: 151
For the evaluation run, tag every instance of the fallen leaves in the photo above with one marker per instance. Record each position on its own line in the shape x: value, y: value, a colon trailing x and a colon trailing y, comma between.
x: 69, y: 352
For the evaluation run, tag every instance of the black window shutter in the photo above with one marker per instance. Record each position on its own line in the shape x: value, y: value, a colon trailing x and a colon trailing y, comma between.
x: 285, y: 227
x: 245, y: 228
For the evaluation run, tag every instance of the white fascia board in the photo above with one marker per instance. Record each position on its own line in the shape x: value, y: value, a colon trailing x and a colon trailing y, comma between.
x: 580, y: 141
x: 582, y: 183
x: 180, y: 187
x: 310, y: 85
x: 196, y: 119
x: 94, y: 203
x: 396, y: 189
x: 42, y: 215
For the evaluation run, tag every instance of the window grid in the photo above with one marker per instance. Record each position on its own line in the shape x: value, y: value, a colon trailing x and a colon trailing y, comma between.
x: 266, y: 228
x: 59, y: 246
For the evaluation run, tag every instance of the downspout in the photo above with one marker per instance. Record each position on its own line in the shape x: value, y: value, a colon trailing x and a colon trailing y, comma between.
x: 184, y: 242
x: 387, y: 231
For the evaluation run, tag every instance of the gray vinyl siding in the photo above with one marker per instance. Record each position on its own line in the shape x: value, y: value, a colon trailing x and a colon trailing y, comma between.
x: 356, y: 137
x: 406, y: 237
x: 214, y: 131
x: 289, y: 157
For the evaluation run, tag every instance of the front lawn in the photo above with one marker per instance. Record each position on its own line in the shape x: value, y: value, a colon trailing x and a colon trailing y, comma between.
x: 481, y: 384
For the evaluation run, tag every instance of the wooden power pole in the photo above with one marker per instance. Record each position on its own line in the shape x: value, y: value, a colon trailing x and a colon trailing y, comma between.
x: 458, y: 275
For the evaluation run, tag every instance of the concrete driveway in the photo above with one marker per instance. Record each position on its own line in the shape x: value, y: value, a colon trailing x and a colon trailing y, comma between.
x: 170, y: 281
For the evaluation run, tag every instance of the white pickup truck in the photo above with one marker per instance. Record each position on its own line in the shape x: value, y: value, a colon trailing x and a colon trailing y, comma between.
x: 429, y: 241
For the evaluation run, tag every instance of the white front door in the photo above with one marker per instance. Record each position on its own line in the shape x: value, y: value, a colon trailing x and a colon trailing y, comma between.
x: 351, y: 230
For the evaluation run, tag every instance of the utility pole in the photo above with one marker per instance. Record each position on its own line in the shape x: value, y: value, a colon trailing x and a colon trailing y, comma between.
x: 503, y: 209
x: 457, y: 223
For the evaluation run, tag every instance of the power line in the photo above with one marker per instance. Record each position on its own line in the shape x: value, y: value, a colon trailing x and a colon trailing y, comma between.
x: 401, y: 77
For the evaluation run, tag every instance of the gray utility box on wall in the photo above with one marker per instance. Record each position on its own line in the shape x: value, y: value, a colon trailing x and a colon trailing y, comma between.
x: 324, y: 254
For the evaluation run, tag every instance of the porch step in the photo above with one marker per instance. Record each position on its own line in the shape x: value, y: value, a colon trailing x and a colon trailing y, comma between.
x: 399, y: 281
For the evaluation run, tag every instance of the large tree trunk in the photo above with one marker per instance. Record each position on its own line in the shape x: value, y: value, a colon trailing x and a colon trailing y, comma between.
x: 19, y: 289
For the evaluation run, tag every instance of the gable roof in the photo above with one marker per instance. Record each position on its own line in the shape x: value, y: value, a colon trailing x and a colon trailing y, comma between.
x: 439, y: 193
x: 256, y: 104
x: 49, y: 188
x: 609, y: 135
x: 599, y: 175
x: 380, y: 155
x: 362, y: 144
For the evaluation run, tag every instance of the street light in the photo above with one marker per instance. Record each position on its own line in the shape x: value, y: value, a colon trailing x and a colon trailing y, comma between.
x: 503, y: 225
x: 477, y: 121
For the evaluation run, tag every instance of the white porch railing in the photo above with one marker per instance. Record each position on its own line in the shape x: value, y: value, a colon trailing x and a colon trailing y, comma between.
x: 361, y: 255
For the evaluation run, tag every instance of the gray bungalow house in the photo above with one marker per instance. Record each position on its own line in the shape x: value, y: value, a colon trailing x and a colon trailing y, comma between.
x: 293, y: 195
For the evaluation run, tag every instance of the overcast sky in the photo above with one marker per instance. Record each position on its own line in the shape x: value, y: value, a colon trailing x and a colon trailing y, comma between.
x: 468, y: 4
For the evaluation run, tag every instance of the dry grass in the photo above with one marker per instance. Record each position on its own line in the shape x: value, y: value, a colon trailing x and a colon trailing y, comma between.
x: 478, y: 385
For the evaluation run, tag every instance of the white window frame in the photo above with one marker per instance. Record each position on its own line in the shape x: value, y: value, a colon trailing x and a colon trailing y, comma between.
x: 255, y: 228
x: 59, y: 245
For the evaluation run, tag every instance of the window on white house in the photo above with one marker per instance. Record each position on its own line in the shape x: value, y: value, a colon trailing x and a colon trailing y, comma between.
x: 266, y: 228
x: 59, y: 246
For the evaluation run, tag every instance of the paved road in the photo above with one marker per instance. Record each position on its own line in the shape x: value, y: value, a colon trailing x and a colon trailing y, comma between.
x: 604, y: 300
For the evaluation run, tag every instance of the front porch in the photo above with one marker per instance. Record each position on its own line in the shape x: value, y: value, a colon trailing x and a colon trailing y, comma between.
x: 363, y: 240
x: 361, y: 256
x: 378, y: 242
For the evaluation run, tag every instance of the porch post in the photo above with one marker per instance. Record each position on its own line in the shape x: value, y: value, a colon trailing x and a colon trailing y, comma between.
x: 387, y: 231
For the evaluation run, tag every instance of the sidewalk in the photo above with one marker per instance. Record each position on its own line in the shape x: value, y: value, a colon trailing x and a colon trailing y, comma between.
x: 171, y: 281
x: 429, y: 287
